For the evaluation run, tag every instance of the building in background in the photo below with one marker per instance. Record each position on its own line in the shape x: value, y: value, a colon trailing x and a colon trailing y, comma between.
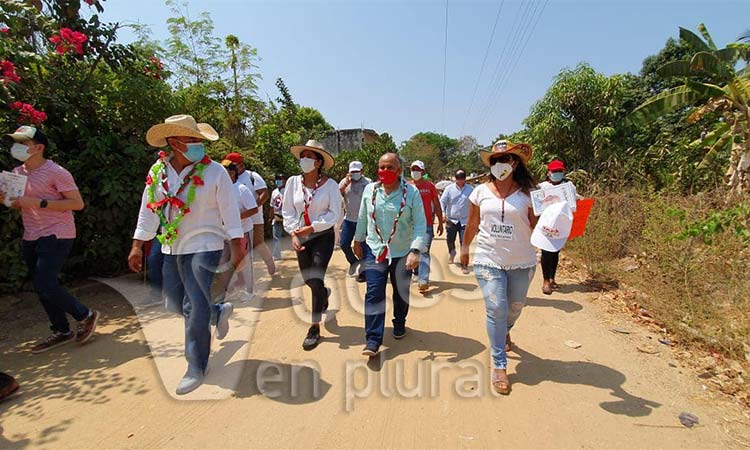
x: 338, y: 141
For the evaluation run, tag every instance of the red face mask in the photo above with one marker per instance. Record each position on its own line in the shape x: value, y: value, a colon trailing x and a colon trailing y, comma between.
x: 387, y: 176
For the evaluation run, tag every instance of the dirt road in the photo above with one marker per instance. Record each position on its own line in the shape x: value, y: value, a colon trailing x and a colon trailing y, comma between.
x: 429, y: 390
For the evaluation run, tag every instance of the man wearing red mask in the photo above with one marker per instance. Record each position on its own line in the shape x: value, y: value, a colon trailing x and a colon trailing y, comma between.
x: 392, y: 223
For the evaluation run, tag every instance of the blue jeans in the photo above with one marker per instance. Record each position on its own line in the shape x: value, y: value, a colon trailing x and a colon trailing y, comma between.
x: 451, y: 230
x: 500, y: 288
x: 44, y: 259
x: 278, y: 233
x: 348, y: 228
x: 187, y: 291
x: 377, y: 278
x: 154, y: 264
x: 423, y: 272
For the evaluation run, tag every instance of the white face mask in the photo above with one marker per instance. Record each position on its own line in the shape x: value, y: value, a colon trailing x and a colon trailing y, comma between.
x: 501, y: 171
x: 416, y: 175
x: 556, y: 177
x: 307, y: 164
x: 20, y: 151
x: 356, y: 176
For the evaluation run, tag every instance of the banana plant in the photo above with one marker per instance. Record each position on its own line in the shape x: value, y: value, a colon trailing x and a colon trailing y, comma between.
x: 711, y: 80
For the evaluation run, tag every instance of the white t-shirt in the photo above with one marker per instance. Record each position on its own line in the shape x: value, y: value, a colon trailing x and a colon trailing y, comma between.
x: 255, y: 183
x: 504, y: 238
x: 246, y: 201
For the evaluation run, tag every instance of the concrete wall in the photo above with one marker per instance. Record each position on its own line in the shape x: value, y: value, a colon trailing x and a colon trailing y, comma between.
x: 341, y: 140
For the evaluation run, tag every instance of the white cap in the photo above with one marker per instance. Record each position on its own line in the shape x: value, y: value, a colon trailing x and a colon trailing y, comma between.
x: 418, y: 163
x: 355, y: 166
x: 553, y: 228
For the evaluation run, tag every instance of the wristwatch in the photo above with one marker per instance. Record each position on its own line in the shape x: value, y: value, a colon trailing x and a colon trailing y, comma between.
x: 43, y: 204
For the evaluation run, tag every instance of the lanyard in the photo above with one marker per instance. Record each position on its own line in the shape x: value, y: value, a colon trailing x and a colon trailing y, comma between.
x: 385, y: 253
x: 308, y: 201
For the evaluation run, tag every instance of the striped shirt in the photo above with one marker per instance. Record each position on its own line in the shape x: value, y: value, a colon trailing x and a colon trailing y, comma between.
x: 47, y: 182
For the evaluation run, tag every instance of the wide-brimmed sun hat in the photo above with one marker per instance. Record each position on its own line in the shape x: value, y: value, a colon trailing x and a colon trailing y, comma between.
x: 316, y: 147
x: 179, y: 125
x: 502, y: 147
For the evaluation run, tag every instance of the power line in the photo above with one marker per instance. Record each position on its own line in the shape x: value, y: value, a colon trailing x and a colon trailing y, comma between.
x: 445, y: 65
x: 481, y: 71
x: 519, y: 27
x: 517, y: 60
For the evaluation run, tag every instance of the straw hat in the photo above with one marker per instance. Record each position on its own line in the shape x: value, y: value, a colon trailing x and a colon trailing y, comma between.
x: 523, y: 151
x: 179, y: 125
x: 318, y: 148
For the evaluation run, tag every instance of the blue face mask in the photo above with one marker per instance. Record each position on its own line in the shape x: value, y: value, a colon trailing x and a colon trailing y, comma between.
x: 279, y: 183
x: 556, y: 177
x: 195, y: 151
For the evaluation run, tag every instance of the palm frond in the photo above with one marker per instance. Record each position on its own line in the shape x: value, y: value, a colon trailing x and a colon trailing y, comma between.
x: 704, y: 31
x: 693, y: 40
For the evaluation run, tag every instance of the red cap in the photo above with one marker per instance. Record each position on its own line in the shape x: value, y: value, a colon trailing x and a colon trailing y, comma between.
x: 235, y: 158
x: 552, y: 166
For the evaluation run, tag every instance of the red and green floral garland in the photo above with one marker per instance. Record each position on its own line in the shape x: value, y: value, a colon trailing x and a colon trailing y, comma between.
x: 194, y: 179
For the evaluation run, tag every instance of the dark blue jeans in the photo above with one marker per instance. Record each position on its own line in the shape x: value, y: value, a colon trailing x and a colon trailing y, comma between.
x: 44, y: 258
x: 377, y: 278
x: 154, y: 264
x: 451, y: 230
x: 187, y: 291
x: 348, y: 228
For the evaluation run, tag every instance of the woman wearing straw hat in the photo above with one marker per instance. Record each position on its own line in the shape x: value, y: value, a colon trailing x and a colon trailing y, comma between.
x: 311, y: 208
x: 191, y: 200
x: 502, y: 219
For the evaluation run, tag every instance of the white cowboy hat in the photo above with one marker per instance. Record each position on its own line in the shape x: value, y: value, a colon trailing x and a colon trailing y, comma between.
x: 316, y: 147
x: 179, y: 125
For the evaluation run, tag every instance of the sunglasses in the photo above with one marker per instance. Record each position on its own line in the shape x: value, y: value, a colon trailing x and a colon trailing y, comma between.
x: 501, y: 159
x: 461, y: 176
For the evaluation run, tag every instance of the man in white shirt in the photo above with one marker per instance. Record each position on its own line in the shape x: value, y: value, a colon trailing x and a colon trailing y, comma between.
x: 455, y: 205
x: 258, y: 186
x: 190, y: 202
x: 351, y: 189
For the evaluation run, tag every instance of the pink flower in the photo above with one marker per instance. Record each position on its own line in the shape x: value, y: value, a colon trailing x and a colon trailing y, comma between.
x: 28, y: 113
x: 5, y: 30
x: 69, y: 41
x: 9, y: 72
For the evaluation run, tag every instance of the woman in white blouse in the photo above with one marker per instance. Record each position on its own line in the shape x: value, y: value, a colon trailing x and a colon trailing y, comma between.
x: 502, y: 219
x: 311, y: 208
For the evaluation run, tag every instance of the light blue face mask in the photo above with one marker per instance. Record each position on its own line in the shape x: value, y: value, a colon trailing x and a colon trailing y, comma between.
x: 195, y: 151
x: 556, y: 177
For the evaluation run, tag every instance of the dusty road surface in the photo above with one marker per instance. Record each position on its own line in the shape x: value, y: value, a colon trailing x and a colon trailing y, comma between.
x: 429, y: 390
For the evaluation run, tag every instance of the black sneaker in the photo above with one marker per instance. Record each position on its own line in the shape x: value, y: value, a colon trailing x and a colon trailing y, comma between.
x: 399, y: 333
x: 361, y: 278
x: 352, y: 269
x: 56, y: 339
x: 313, y: 338
x: 370, y: 350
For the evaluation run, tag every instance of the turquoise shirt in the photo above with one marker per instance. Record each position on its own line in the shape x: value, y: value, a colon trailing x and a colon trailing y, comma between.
x: 411, y: 228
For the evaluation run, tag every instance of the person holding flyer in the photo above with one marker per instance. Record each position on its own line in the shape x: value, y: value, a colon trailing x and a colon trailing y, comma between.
x: 47, y: 207
x: 550, y: 260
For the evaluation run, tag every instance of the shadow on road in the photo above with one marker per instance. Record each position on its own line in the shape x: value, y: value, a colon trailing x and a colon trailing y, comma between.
x: 532, y: 370
x: 567, y: 306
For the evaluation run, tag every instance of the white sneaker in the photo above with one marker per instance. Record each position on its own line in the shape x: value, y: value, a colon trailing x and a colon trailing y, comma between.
x: 222, y: 323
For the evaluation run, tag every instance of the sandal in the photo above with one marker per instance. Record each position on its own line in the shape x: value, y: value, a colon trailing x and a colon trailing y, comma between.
x: 508, y: 343
x: 501, y: 386
x: 554, y: 285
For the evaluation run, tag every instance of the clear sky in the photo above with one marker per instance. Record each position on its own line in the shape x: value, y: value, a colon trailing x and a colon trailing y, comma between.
x: 380, y: 63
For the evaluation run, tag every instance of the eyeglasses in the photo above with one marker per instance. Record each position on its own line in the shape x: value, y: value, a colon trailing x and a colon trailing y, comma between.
x: 501, y: 159
x: 461, y: 176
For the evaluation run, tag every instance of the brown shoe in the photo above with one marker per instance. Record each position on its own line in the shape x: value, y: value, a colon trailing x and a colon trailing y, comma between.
x: 55, y: 339
x: 423, y: 287
x: 547, y: 287
x: 86, y: 327
x: 8, y: 385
